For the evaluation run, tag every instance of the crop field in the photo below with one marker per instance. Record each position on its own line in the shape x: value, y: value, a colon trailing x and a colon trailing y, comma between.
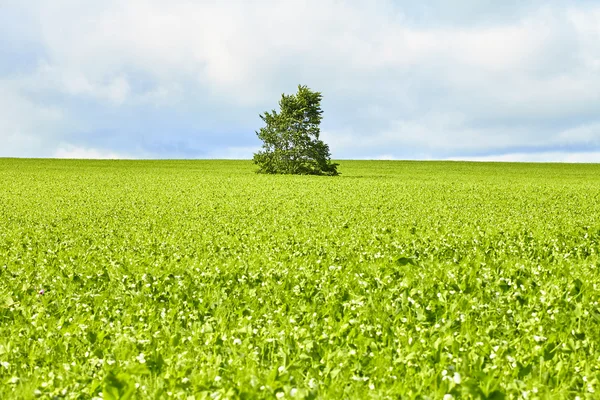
x: 202, y: 279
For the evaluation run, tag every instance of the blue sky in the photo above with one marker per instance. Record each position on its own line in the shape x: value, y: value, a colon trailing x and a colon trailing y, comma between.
x: 467, y: 79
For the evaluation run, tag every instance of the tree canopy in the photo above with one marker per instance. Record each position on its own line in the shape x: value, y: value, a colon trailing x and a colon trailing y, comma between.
x: 291, y: 143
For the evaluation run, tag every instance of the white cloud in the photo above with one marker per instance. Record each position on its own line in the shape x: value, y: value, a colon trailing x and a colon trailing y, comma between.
x: 113, y: 89
x: 449, y: 133
x: 234, y: 153
x: 26, y: 127
x: 71, y: 151
x: 585, y: 135
x: 397, y: 80
x: 385, y: 157
x: 554, y: 156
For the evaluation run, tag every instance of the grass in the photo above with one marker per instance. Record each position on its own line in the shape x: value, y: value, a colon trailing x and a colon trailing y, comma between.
x: 201, y: 279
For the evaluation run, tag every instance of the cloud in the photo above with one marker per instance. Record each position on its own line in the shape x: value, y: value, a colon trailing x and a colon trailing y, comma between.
x: 27, y: 127
x: 444, y: 135
x: 70, y: 151
x: 72, y: 82
x: 559, y: 157
x: 400, y: 79
x: 233, y: 153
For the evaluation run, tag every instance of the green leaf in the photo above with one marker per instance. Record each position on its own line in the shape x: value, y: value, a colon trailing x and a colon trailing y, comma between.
x: 496, y: 395
x: 406, y: 261
x: 117, y: 387
x: 524, y: 370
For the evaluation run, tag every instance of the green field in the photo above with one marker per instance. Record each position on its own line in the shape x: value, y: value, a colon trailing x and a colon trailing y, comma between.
x: 202, y: 279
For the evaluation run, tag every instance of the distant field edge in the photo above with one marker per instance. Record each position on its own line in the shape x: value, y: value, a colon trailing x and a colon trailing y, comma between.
x: 334, y: 160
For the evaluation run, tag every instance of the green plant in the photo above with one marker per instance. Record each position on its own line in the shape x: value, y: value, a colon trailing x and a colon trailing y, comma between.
x: 200, y: 279
x: 291, y: 143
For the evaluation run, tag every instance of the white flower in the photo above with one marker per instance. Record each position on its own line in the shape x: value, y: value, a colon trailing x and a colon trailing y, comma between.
x: 281, y: 369
x: 280, y: 395
x: 141, y: 358
x: 185, y: 380
x: 372, y: 387
x: 293, y: 392
x: 217, y: 378
x: 5, y: 364
x: 237, y: 341
x: 448, y: 396
x: 457, y: 379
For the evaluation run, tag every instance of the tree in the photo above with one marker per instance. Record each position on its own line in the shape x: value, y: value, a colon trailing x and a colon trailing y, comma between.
x: 291, y: 137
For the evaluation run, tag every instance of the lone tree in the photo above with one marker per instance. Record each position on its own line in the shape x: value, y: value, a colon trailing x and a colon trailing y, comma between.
x: 291, y: 137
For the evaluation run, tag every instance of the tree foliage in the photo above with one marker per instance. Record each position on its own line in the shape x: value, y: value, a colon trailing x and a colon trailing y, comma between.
x: 291, y: 143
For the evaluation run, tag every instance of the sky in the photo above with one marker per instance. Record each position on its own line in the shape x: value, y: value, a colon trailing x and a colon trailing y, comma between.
x: 481, y: 80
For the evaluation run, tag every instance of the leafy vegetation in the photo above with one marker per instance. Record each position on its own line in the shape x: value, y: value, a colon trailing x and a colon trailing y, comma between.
x: 291, y: 143
x: 201, y: 279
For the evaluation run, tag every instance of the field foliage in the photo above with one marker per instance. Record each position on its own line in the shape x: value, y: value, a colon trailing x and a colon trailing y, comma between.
x: 202, y: 279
